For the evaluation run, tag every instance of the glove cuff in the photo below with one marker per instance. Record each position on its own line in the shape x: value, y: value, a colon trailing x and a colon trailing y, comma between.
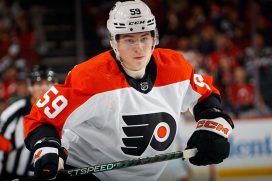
x: 218, y: 125
x: 46, y: 145
x: 40, y: 152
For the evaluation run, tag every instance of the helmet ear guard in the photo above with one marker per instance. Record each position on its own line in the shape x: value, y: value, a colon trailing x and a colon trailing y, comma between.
x: 156, y: 37
x: 114, y: 47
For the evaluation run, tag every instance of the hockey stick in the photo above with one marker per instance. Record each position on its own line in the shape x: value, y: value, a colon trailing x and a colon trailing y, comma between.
x: 128, y: 163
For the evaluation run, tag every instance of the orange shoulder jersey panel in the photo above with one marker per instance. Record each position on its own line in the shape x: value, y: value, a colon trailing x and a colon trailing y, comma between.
x: 98, y: 74
x: 172, y: 68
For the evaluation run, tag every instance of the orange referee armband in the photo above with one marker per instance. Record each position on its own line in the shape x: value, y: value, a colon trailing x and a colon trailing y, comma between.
x: 5, y: 145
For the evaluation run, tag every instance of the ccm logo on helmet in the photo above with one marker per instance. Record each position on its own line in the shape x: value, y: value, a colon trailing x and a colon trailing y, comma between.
x: 136, y: 22
x: 212, y: 125
x: 157, y: 130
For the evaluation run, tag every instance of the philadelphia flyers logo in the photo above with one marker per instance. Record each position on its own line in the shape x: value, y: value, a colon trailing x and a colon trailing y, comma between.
x: 157, y: 130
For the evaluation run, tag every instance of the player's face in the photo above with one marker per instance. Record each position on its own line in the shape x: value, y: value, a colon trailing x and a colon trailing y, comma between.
x: 39, y: 88
x: 135, y: 49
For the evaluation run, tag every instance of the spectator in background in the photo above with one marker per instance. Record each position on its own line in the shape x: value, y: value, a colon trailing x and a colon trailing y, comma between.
x: 242, y: 93
x: 13, y: 72
x: 239, y: 37
x: 207, y: 39
x: 196, y: 20
x: 243, y: 96
x: 224, y: 48
x: 259, y: 51
x: 229, y: 20
x: 14, y: 57
x: 11, y: 126
x: 4, y: 35
x: 173, y: 29
x: 263, y: 26
x: 194, y: 57
x: 9, y: 82
x: 221, y: 62
x: 257, y: 60
x: 25, y: 35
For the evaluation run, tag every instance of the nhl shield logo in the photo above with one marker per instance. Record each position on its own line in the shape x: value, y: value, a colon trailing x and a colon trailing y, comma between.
x: 144, y: 86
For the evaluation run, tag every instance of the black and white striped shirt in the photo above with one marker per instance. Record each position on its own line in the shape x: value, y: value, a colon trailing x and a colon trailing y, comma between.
x: 18, y: 160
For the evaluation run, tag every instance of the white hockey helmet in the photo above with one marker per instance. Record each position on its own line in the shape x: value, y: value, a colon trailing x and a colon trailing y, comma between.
x: 131, y: 17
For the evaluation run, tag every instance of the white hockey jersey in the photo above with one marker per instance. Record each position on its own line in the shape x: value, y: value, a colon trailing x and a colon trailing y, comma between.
x: 101, y: 118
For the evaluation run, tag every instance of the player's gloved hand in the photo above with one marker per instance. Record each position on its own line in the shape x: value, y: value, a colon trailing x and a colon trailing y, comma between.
x: 49, y: 157
x: 211, y: 140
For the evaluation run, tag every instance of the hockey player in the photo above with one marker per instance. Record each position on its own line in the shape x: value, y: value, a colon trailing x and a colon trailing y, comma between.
x: 15, y: 158
x: 124, y: 103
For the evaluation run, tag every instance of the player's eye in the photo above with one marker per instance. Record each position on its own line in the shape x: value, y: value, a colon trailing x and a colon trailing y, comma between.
x: 130, y: 41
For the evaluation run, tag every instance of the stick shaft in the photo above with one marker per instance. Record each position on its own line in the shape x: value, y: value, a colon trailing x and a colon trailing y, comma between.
x: 129, y: 163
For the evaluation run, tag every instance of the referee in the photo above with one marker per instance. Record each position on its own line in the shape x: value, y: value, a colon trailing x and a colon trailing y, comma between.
x: 15, y: 158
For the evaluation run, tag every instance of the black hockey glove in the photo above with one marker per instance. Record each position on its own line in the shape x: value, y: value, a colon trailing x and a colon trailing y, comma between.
x: 49, y: 157
x: 211, y: 140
